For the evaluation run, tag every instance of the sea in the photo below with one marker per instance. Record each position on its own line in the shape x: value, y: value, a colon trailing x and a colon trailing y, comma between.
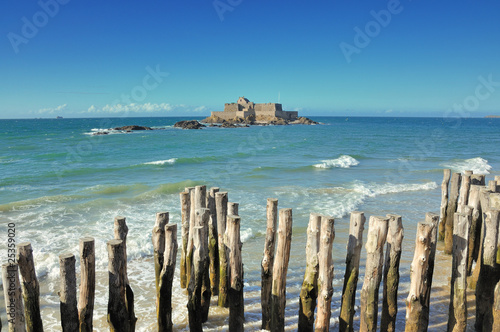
x: 60, y: 182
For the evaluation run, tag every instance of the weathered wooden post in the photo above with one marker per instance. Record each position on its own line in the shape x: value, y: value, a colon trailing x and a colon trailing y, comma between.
x: 492, y: 185
x: 489, y: 274
x: 221, y: 208
x: 325, y: 274
x: 417, y: 311
x: 452, y: 208
x: 464, y: 189
x: 67, y: 293
x: 354, y: 244
x: 377, y: 235
x: 164, y: 311
x: 213, y: 246
x: 444, y: 202
x: 268, y: 262
x: 457, y: 317
x: 475, y: 227
x: 118, y: 317
x: 235, y: 294
x: 158, y: 239
x: 200, y: 197
x: 30, y: 287
x: 13, y: 298
x: 280, y: 269
x: 206, y: 294
x: 309, y: 290
x: 185, y: 214
x: 232, y: 208
x: 433, y: 219
x: 121, y: 231
x: 189, y: 253
x: 200, y: 246
x: 391, y: 273
x: 87, y: 284
x: 496, y: 309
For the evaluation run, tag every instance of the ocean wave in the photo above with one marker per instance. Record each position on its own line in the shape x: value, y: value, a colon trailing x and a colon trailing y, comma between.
x: 246, y: 235
x: 170, y: 161
x: 389, y: 188
x: 478, y: 165
x: 343, y: 161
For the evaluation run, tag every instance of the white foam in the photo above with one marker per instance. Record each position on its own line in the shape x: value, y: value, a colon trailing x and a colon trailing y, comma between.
x: 373, y: 190
x: 170, y: 161
x: 343, y: 161
x: 478, y: 165
x: 246, y: 234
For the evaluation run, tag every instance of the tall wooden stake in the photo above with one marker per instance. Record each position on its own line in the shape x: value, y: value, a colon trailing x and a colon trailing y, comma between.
x: 325, y: 274
x: 280, y: 269
x: 433, y: 219
x: 67, y: 293
x: 118, y: 316
x: 377, y: 234
x: 457, y: 317
x: 475, y: 227
x: 221, y: 209
x: 236, y: 305
x: 31, y: 288
x: 391, y: 273
x: 202, y: 220
x: 87, y: 284
x: 464, y: 189
x: 354, y: 244
x: 309, y: 290
x: 232, y: 208
x: 185, y: 213
x: 444, y: 202
x: 489, y: 274
x: 268, y: 262
x: 158, y: 239
x: 213, y: 246
x: 13, y: 297
x: 189, y: 252
x: 452, y: 208
x: 164, y: 312
x: 417, y: 311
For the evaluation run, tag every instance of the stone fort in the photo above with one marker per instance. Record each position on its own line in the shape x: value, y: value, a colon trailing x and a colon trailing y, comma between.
x: 244, y: 108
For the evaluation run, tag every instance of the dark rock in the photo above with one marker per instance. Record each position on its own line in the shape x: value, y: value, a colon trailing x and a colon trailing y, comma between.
x: 100, y: 133
x: 304, y: 120
x: 134, y: 127
x: 189, y: 124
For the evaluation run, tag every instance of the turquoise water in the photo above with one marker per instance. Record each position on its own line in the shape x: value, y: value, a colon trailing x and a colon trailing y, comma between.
x: 58, y: 183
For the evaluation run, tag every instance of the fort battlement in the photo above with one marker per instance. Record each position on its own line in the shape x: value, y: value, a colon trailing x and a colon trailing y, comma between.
x: 244, y: 108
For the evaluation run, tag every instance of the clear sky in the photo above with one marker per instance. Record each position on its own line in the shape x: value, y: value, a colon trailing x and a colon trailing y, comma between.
x: 78, y: 58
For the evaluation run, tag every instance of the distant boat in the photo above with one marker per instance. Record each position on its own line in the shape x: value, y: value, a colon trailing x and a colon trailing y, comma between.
x: 59, y: 117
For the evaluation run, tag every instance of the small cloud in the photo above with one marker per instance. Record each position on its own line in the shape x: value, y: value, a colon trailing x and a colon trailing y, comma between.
x: 389, y: 111
x: 135, y: 108
x: 52, y: 110
x: 200, y: 109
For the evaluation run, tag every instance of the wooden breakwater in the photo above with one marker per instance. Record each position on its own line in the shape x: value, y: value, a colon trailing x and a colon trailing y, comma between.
x: 211, y: 266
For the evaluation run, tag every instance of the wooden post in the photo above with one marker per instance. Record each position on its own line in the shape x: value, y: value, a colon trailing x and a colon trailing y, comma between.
x: 158, y: 239
x: 452, y: 208
x: 232, y: 208
x: 309, y: 290
x: 236, y: 306
x: 87, y: 284
x: 13, y: 297
x: 280, y: 269
x: 121, y: 231
x: 213, y: 247
x: 464, y: 190
x: 417, y: 311
x: 164, y: 311
x: 475, y: 227
x: 444, y: 202
x: 189, y: 253
x: 457, y: 316
x: 325, y: 274
x: 30, y: 287
x: 391, y: 273
x: 200, y: 197
x: 200, y: 246
x: 377, y: 235
x: 477, y: 179
x: 492, y: 185
x: 221, y: 209
x: 203, y: 216
x: 489, y: 274
x: 433, y: 219
x: 67, y: 293
x: 496, y: 309
x: 185, y: 212
x: 118, y: 318
x: 268, y: 262
x: 354, y: 244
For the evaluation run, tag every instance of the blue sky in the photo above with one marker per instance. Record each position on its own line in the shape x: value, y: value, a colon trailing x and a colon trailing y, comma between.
x: 91, y: 58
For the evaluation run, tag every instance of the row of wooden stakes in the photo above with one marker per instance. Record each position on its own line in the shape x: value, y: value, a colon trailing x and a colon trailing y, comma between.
x: 211, y: 264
